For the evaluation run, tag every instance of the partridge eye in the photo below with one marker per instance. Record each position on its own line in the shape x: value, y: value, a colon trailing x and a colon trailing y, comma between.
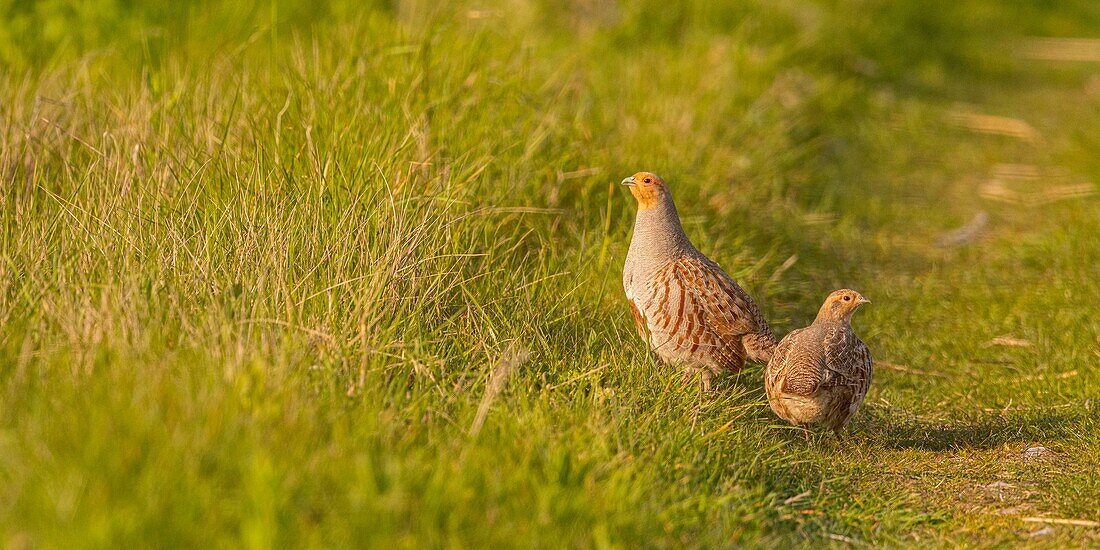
x: 847, y: 298
x: 648, y: 180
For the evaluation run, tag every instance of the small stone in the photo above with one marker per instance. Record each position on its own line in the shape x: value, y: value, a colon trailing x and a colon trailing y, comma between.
x: 1041, y: 532
x: 1035, y: 453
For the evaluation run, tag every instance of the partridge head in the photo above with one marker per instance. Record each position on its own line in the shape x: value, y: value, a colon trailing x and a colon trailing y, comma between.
x: 648, y: 189
x: 840, y: 305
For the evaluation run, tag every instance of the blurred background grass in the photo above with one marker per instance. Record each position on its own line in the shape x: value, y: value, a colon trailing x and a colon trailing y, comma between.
x: 260, y: 262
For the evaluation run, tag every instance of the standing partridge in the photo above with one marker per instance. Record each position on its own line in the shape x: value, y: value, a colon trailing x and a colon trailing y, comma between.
x: 820, y: 373
x: 685, y: 307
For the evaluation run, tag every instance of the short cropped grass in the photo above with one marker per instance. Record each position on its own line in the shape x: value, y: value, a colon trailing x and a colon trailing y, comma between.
x: 348, y: 274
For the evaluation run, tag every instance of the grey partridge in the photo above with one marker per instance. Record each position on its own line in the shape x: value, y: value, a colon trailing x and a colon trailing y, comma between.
x: 820, y: 374
x: 685, y: 307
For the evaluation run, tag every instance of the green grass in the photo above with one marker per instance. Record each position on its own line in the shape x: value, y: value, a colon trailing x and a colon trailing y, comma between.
x: 260, y: 263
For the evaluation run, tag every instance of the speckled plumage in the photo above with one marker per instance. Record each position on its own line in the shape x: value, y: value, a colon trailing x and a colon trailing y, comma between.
x: 685, y: 307
x: 820, y: 374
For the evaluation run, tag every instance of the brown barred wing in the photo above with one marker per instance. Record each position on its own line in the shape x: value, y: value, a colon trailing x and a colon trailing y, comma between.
x: 681, y: 312
x: 850, y: 366
x: 734, y: 315
x: 847, y: 360
x: 799, y: 365
x: 726, y: 310
x: 780, y: 365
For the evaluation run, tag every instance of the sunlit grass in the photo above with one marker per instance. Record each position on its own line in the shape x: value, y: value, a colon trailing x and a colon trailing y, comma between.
x: 276, y: 275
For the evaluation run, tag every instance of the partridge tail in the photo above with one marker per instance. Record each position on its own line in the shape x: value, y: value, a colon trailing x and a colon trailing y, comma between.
x: 760, y: 346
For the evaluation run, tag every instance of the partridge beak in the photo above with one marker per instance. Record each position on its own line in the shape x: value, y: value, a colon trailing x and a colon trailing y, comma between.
x: 863, y: 300
x: 628, y: 181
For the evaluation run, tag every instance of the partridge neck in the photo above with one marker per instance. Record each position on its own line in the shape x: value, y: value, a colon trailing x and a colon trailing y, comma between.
x: 658, y: 234
x: 827, y: 317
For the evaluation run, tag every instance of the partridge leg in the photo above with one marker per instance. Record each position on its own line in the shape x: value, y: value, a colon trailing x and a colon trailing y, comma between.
x: 706, y: 378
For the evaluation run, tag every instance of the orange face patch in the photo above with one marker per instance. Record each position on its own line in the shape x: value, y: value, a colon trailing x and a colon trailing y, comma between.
x: 647, y: 189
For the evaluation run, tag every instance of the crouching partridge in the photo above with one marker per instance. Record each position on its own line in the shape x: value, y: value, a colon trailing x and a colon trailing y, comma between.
x: 820, y: 374
x: 685, y: 307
